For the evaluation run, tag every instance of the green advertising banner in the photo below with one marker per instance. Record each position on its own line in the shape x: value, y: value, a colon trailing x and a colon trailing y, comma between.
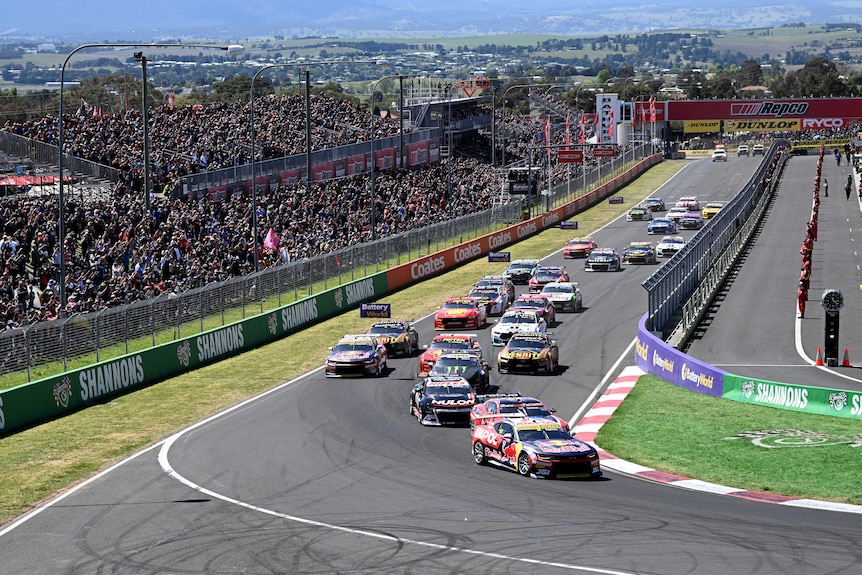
x: 60, y: 395
x: 803, y: 398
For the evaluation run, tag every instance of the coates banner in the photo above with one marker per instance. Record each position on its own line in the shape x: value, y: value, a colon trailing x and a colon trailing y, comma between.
x: 668, y: 363
x: 828, y: 110
x: 701, y: 126
x: 445, y: 260
x: 607, y: 110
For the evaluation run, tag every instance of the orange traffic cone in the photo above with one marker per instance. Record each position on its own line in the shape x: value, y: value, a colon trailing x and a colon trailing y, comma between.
x: 819, y: 359
x: 846, y: 362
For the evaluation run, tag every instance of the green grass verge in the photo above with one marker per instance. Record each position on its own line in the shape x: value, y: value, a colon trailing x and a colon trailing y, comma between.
x: 663, y: 426
x: 39, y: 462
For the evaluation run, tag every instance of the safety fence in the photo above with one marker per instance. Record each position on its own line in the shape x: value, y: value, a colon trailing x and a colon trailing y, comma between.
x: 679, y: 291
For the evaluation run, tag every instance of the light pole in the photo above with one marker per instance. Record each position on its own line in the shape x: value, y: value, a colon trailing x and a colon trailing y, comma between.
x: 139, y: 56
x: 61, y: 215
x: 373, y: 159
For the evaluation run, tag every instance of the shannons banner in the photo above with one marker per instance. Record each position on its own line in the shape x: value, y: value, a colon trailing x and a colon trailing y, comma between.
x: 656, y: 357
x: 802, y: 398
x: 53, y: 397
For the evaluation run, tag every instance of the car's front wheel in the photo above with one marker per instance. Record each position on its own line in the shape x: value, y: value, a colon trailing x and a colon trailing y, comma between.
x: 479, y: 453
x: 524, y: 465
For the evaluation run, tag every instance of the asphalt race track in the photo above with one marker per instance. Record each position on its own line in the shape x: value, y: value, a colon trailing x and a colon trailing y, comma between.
x: 332, y: 476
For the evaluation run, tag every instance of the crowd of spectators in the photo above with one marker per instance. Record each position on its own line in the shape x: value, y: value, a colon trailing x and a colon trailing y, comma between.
x: 117, y: 252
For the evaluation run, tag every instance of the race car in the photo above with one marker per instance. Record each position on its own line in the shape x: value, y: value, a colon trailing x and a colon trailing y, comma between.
x: 534, y: 447
x: 661, y: 226
x: 466, y: 364
x: 520, y: 271
x: 497, y: 281
x: 357, y: 356
x: 460, y: 312
x: 546, y: 274
x: 494, y: 299
x: 492, y: 408
x: 398, y: 335
x: 639, y: 253
x: 639, y: 213
x: 442, y: 400
x: 566, y: 296
x: 538, y: 303
x: 603, y: 260
x: 654, y: 204
x: 443, y: 343
x: 758, y: 150
x: 719, y: 155
x: 691, y: 221
x: 676, y: 212
x: 669, y: 245
x: 579, y: 247
x: 529, y: 353
x: 710, y: 209
x: 516, y: 321
x: 688, y: 202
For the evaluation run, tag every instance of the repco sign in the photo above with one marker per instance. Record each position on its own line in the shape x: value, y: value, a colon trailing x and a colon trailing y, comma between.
x: 772, y: 109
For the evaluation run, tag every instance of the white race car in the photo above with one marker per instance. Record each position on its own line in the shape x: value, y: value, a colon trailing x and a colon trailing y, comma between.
x: 516, y: 321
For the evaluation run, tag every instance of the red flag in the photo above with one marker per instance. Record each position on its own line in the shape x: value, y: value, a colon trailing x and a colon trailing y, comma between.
x: 548, y: 134
x: 583, y: 132
x: 611, y: 125
x: 634, y: 117
x: 652, y: 110
x: 643, y: 115
x: 567, y: 131
x: 272, y: 240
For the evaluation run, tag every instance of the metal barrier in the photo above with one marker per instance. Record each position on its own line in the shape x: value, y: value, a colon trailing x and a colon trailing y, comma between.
x: 45, y: 154
x: 680, y: 290
x: 197, y: 184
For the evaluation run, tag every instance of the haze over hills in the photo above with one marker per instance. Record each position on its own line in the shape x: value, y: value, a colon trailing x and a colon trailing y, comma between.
x: 88, y: 20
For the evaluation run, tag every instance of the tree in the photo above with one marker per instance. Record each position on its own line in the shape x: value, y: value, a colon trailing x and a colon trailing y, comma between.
x: 749, y: 74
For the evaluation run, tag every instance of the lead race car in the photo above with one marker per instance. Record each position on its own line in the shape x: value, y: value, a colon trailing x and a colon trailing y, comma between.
x: 442, y: 400
x: 357, y: 356
x: 534, y: 447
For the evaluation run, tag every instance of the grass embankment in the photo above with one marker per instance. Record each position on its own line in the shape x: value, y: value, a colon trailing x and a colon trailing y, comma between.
x: 666, y: 427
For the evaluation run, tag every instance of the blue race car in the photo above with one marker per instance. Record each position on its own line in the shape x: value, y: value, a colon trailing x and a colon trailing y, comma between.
x: 662, y: 226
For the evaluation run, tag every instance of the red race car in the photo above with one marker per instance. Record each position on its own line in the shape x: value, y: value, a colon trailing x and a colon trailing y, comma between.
x: 446, y: 343
x: 460, y: 313
x: 496, y: 407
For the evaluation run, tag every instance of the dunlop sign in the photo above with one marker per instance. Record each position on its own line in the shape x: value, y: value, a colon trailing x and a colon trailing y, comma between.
x: 762, y: 125
x: 701, y: 126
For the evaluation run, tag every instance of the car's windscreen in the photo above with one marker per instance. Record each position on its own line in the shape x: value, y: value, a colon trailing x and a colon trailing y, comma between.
x: 458, y: 305
x: 558, y: 289
x: 452, y: 362
x: 447, y: 389
x: 518, y: 344
x: 542, y: 434
x: 385, y: 329
x: 513, y: 319
x: 344, y: 347
x: 453, y: 344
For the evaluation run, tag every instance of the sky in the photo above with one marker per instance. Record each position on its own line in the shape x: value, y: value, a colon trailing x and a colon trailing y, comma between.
x: 116, y: 20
